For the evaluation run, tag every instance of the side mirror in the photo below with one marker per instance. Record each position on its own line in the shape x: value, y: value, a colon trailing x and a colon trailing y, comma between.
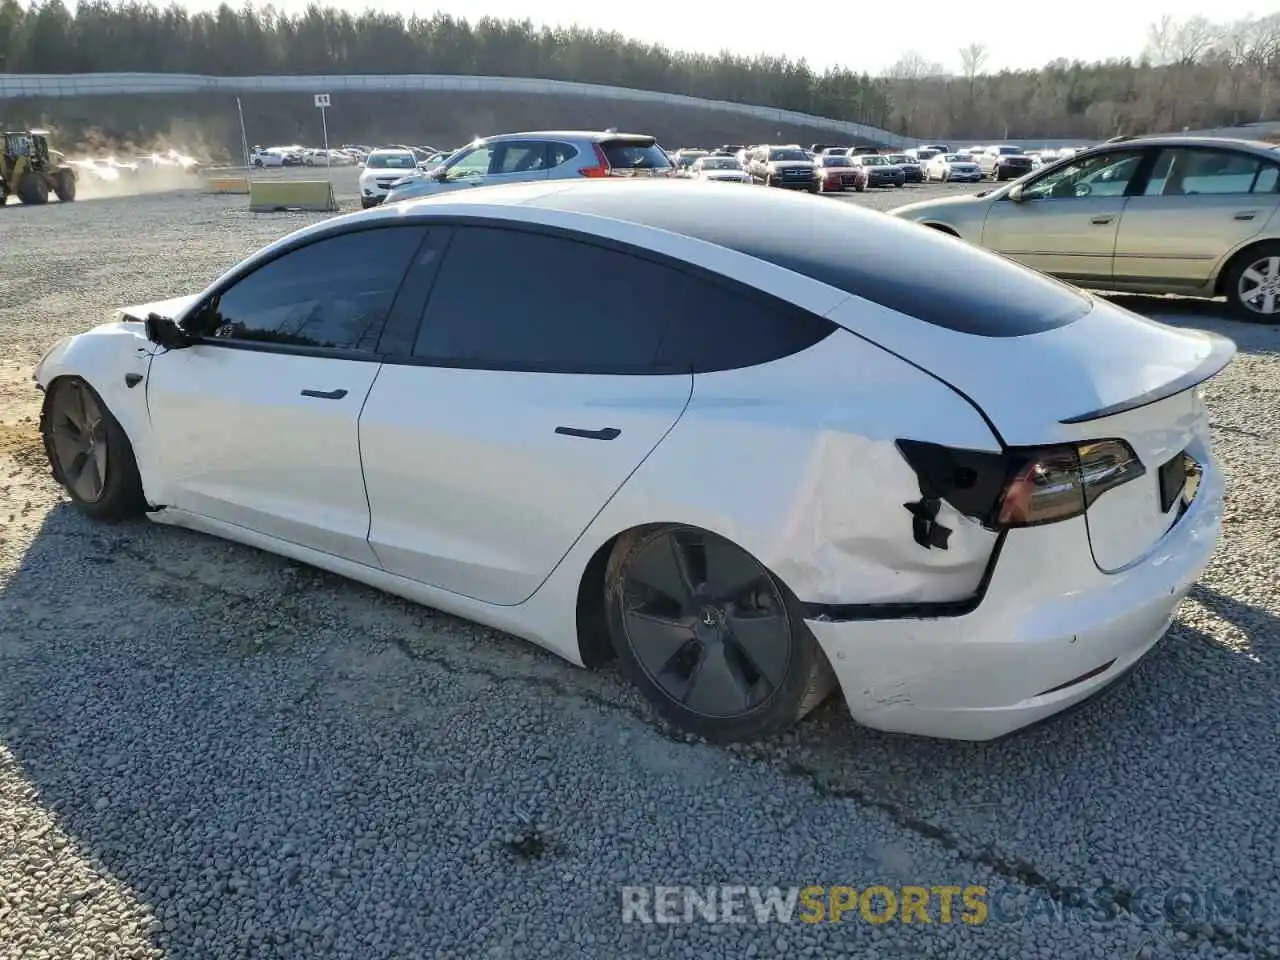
x: 164, y: 332
x: 1015, y: 193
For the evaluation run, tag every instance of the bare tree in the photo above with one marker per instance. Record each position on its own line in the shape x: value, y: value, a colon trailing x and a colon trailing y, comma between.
x: 973, y: 57
x: 912, y: 66
x: 1160, y: 41
x: 1194, y: 39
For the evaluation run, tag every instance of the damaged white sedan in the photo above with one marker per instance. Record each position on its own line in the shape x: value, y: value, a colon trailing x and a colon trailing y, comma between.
x: 752, y: 444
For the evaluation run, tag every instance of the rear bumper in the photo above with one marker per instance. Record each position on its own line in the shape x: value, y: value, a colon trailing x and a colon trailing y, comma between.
x: 1051, y: 631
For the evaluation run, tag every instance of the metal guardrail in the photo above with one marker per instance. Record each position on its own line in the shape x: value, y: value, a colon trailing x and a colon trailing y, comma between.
x: 15, y: 85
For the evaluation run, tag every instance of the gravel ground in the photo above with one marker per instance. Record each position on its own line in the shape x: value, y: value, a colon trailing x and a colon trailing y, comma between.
x: 209, y: 751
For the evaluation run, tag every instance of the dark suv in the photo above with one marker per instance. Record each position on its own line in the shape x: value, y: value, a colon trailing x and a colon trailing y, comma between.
x: 1005, y: 163
x: 789, y: 167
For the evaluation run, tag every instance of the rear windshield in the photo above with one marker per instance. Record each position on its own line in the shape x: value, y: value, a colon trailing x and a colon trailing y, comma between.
x: 635, y: 155
x: 391, y: 161
x: 788, y: 154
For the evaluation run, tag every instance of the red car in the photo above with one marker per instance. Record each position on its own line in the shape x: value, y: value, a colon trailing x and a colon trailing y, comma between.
x: 840, y: 173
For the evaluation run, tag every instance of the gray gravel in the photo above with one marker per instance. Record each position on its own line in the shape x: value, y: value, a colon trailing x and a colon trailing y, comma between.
x: 208, y: 751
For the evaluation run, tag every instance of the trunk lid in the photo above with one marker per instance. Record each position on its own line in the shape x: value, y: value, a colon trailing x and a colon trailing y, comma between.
x: 1109, y: 375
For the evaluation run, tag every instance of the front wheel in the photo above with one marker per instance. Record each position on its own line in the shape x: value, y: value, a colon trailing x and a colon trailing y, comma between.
x: 1252, y: 285
x: 89, y: 452
x: 709, y: 636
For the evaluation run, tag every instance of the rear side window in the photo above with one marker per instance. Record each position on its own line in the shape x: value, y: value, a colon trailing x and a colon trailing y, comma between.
x: 1183, y: 172
x: 518, y: 156
x: 558, y: 153
x: 334, y: 293
x: 567, y: 306
x: 635, y: 155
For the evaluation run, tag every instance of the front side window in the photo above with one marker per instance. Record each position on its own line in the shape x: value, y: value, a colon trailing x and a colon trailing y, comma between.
x: 1101, y: 175
x: 570, y: 306
x: 1186, y: 172
x: 469, y: 165
x: 334, y: 293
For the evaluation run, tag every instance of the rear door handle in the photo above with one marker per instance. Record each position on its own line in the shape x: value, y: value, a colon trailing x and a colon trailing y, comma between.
x: 1246, y: 214
x: 1102, y: 221
x: 608, y: 433
x: 325, y: 394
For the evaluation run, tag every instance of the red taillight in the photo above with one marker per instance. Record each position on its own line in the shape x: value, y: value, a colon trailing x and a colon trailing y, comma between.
x: 601, y: 169
x: 1024, y: 487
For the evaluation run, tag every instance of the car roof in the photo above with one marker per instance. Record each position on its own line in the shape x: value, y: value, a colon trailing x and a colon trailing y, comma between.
x: 1181, y: 140
x: 861, y: 252
x: 594, y: 136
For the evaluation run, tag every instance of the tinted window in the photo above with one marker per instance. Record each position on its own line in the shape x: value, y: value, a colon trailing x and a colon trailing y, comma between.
x: 636, y: 155
x: 1183, y: 172
x: 518, y: 156
x: 397, y: 161
x: 861, y: 252
x: 575, y: 307
x: 333, y: 293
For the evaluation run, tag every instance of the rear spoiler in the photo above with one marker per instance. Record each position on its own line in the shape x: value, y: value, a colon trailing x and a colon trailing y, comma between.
x: 1221, y: 352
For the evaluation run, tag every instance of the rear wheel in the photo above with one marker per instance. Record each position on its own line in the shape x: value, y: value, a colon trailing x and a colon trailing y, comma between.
x: 33, y: 189
x: 1252, y: 284
x: 65, y: 187
x: 709, y: 636
x: 89, y: 452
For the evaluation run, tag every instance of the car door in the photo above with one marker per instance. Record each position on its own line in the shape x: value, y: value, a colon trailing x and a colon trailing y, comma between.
x: 527, y: 398
x: 257, y: 422
x: 1068, y: 218
x: 1199, y: 205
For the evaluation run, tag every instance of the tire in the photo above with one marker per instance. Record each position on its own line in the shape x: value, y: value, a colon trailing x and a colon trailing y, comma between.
x: 33, y: 189
x: 1263, y: 261
x: 816, y: 188
x: 670, y: 646
x: 113, y: 489
x: 66, y: 186
x: 860, y: 187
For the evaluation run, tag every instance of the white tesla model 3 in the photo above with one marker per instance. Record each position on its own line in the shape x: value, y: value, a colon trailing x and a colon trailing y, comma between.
x: 749, y: 442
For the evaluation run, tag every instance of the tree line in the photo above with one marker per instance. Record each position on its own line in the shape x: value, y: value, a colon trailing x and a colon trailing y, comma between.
x: 1192, y: 73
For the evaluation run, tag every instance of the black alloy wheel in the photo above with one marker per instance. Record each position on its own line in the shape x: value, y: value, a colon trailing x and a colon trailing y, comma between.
x: 710, y: 636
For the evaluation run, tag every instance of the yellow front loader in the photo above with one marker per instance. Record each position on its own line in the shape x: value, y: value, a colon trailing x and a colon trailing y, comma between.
x: 29, y: 172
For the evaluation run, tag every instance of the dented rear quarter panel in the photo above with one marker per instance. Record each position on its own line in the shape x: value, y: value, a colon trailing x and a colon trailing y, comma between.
x: 795, y: 461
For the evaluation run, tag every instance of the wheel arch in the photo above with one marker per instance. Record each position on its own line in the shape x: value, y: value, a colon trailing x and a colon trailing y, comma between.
x: 1224, y: 270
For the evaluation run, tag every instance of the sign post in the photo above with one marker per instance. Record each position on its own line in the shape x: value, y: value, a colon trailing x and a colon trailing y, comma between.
x: 322, y: 102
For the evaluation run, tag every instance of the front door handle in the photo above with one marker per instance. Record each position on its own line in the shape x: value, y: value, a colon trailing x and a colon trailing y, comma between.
x: 1102, y: 221
x: 325, y: 394
x: 1246, y: 214
x: 608, y: 433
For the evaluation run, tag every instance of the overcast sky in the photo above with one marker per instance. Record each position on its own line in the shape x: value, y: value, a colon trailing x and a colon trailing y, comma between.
x: 1016, y: 36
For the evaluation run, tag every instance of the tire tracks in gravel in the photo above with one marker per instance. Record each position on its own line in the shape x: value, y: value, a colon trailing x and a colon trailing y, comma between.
x: 294, y: 619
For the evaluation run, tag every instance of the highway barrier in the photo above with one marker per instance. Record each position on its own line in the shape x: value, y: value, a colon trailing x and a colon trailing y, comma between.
x: 266, y: 196
x: 226, y: 184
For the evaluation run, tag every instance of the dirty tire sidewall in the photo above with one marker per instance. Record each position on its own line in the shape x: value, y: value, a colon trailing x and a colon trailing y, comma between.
x: 66, y: 186
x: 808, y: 680
x: 33, y: 189
x: 122, y: 496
